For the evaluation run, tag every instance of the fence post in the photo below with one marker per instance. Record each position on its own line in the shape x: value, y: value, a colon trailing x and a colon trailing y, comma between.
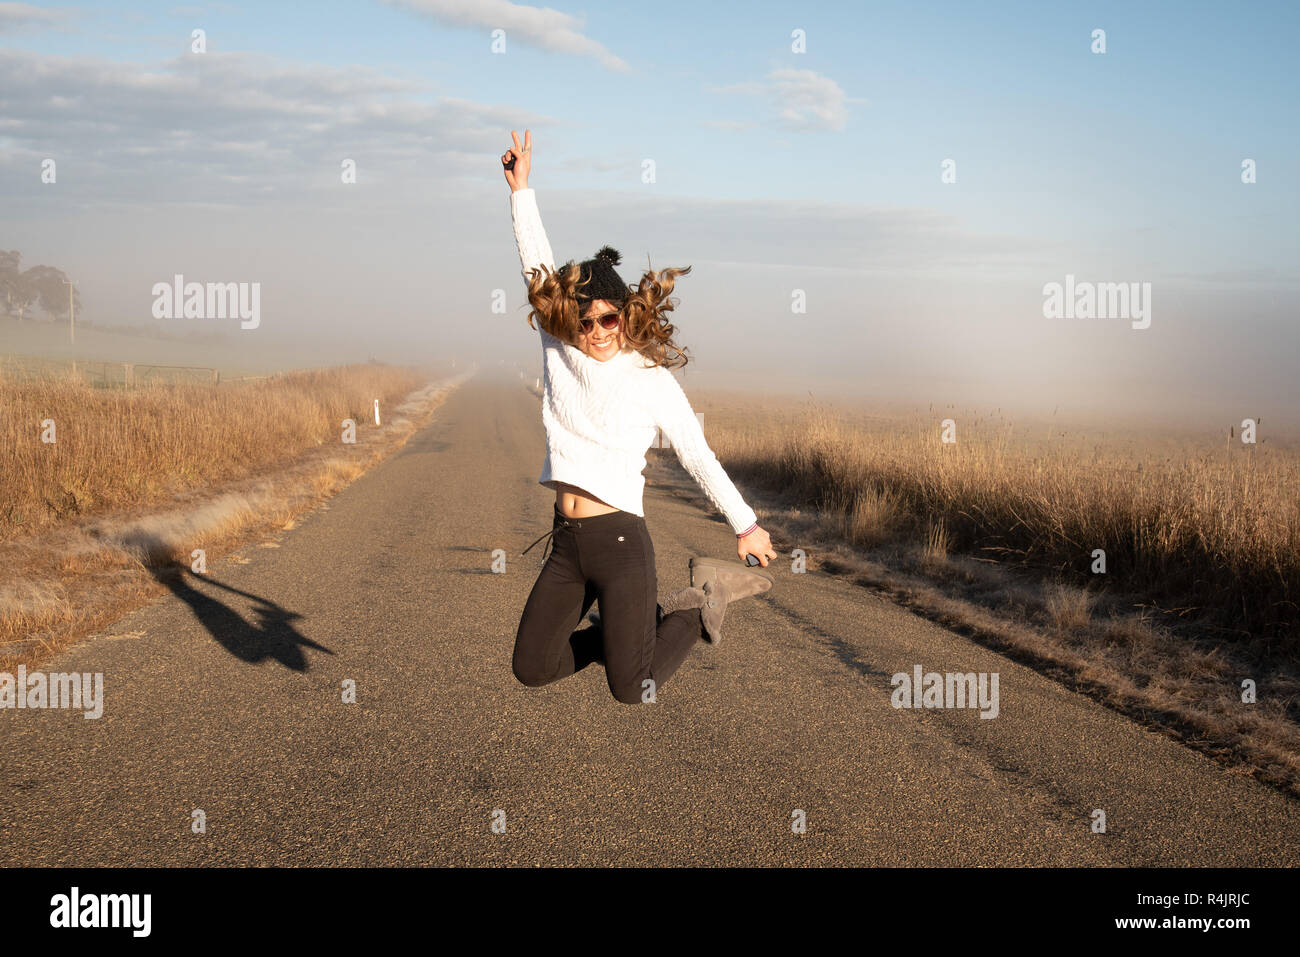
x: 216, y: 376
x: 128, y: 374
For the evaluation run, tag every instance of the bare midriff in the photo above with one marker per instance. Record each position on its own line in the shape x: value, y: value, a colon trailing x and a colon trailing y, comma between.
x: 573, y: 502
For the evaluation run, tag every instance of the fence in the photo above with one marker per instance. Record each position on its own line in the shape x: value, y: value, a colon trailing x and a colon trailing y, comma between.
x: 113, y: 375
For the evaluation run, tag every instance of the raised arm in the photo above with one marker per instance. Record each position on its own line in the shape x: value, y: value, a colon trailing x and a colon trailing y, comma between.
x: 676, y: 419
x: 530, y: 237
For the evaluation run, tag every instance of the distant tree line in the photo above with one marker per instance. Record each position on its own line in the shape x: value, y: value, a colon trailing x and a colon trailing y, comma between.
x: 44, y: 286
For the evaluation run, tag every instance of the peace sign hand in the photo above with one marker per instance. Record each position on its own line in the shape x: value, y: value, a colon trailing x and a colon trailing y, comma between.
x: 518, y: 160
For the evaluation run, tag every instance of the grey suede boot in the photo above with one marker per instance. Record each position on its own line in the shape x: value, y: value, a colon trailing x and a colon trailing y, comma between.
x: 679, y: 600
x: 741, y: 580
x: 723, y: 582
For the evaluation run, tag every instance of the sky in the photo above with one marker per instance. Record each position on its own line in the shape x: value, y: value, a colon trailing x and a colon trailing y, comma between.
x: 798, y: 153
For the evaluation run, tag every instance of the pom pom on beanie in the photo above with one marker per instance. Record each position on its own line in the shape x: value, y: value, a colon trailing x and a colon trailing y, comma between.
x: 599, y: 280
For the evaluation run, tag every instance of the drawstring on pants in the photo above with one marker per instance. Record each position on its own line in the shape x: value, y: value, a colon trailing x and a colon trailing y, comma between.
x: 548, y: 535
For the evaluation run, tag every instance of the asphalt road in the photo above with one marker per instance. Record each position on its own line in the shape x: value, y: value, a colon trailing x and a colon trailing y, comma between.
x: 226, y: 696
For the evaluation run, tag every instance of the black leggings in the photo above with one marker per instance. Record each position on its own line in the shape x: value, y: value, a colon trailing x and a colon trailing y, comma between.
x: 607, y: 557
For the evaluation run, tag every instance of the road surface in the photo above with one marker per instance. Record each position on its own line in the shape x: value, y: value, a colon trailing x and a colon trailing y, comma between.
x: 226, y: 697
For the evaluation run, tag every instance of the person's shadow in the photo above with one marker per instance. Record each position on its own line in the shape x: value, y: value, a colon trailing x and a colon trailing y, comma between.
x: 273, y: 635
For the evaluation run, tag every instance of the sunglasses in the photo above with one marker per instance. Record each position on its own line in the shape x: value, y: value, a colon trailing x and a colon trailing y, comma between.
x: 609, y: 320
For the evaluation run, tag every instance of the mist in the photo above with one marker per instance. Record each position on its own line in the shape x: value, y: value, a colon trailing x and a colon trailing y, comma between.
x: 366, y: 200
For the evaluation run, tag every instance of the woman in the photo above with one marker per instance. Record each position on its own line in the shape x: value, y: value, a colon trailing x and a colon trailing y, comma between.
x: 606, y: 352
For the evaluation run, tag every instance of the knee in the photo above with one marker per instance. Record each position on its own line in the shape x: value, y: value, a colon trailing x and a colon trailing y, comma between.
x: 529, y: 679
x: 632, y: 691
x: 529, y: 672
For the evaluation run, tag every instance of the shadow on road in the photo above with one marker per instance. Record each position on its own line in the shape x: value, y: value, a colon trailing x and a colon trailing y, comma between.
x: 273, y: 635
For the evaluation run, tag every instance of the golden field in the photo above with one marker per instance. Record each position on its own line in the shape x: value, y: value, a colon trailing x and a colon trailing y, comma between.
x: 1205, y: 528
x: 119, y: 448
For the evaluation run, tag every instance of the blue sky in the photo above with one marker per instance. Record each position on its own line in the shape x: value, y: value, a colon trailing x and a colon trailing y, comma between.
x: 774, y: 170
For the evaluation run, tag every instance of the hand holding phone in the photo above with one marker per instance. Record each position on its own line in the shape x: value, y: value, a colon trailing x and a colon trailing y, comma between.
x: 755, y: 547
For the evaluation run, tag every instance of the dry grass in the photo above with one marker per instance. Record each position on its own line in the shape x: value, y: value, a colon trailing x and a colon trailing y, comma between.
x: 1207, y: 531
x: 1070, y: 608
x: 937, y: 544
x: 116, y: 449
x: 77, y: 570
x: 868, y: 516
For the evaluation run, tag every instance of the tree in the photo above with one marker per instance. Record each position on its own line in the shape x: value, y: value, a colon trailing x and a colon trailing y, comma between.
x: 44, y: 284
x: 51, y: 287
x: 10, y: 279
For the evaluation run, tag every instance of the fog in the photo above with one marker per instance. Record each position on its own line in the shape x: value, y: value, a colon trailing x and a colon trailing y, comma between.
x: 231, y: 167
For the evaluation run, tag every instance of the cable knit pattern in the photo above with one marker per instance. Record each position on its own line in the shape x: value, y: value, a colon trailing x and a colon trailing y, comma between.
x: 600, y: 417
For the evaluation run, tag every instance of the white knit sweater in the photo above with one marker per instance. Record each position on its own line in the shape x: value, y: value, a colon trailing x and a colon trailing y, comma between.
x: 600, y: 417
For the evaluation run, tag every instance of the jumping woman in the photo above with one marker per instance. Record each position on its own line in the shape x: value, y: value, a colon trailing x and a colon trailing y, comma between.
x: 607, y: 349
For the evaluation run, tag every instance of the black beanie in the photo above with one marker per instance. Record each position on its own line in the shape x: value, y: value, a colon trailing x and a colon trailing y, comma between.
x: 602, y: 281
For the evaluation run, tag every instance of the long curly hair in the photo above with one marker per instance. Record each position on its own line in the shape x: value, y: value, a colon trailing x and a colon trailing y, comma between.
x: 646, y: 327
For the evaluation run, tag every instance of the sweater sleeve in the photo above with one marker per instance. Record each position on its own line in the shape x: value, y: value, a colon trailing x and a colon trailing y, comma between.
x: 673, y: 414
x: 530, y: 237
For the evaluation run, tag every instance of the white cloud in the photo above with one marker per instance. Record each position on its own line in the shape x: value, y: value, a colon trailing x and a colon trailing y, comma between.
x: 541, y: 27
x: 193, y: 125
x: 799, y: 99
x: 237, y: 128
x: 18, y: 16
